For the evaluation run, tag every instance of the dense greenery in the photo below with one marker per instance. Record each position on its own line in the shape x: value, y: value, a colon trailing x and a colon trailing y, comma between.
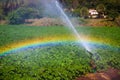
x: 50, y: 63
x: 14, y: 33
x: 19, y: 16
x: 64, y: 61
x: 10, y: 33
x: 109, y: 7
x: 84, y: 12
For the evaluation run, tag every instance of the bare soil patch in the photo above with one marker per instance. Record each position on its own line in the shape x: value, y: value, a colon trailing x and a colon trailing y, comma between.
x: 44, y: 22
x: 99, y: 23
x: 110, y: 74
x: 58, y: 22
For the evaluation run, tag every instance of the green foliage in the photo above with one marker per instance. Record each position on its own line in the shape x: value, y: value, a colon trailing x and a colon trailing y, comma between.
x: 101, y: 8
x: 112, y: 8
x: 19, y: 16
x: 14, y: 33
x: 65, y: 61
x: 76, y: 12
x: 113, y: 14
x: 84, y: 12
x: 11, y: 5
x: 108, y: 33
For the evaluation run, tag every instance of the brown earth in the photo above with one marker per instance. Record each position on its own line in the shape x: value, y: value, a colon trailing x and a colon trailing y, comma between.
x: 49, y: 22
x: 110, y: 74
x: 99, y: 23
x: 44, y: 22
x: 57, y: 22
x: 3, y: 22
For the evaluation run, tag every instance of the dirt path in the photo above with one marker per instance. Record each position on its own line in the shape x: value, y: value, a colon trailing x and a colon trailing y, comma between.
x: 110, y: 74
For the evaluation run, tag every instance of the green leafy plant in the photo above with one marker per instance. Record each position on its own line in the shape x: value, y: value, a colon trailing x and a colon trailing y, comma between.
x: 18, y: 16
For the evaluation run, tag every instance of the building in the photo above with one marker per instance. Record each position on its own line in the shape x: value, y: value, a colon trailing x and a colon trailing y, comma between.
x: 93, y: 13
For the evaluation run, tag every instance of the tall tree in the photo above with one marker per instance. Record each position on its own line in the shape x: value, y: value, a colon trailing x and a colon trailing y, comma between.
x: 101, y: 9
x: 84, y: 12
x: 113, y: 8
x: 10, y: 5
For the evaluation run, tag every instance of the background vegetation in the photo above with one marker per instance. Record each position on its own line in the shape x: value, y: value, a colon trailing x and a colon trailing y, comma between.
x: 10, y: 9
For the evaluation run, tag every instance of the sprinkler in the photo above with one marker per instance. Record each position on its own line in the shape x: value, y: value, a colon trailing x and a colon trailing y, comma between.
x: 93, y: 58
x: 90, y: 53
x: 64, y: 17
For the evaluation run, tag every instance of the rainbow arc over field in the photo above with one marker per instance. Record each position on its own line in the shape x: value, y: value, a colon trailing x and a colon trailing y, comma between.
x: 46, y: 41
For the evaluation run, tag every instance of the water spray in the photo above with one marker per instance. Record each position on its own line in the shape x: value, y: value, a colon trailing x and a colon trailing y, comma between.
x: 70, y: 25
x: 93, y: 56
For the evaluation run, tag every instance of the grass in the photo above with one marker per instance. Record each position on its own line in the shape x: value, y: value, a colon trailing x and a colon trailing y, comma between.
x: 65, y: 61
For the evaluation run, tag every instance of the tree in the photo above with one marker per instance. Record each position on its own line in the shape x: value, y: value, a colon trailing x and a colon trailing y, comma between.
x: 84, y: 12
x: 113, y: 14
x: 31, y: 3
x: 101, y: 9
x: 10, y: 5
x: 18, y: 16
x: 76, y: 12
x: 113, y: 8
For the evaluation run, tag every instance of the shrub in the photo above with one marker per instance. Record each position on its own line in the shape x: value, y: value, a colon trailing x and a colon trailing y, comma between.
x: 76, y: 12
x: 101, y: 8
x: 84, y: 12
x: 18, y: 16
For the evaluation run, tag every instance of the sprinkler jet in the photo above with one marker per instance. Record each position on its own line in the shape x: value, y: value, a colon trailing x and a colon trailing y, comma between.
x: 90, y: 53
x: 94, y: 56
x: 92, y: 61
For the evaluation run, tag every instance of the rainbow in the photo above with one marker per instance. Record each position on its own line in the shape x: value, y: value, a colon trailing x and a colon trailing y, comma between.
x: 47, y: 41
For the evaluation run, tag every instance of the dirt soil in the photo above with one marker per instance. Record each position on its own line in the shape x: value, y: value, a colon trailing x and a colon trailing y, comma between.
x: 44, y: 22
x: 99, y: 23
x: 110, y: 74
x: 57, y: 22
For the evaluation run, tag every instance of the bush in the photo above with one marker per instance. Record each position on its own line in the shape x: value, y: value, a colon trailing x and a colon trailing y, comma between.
x: 101, y: 8
x: 18, y: 16
x: 84, y: 12
x: 76, y: 12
